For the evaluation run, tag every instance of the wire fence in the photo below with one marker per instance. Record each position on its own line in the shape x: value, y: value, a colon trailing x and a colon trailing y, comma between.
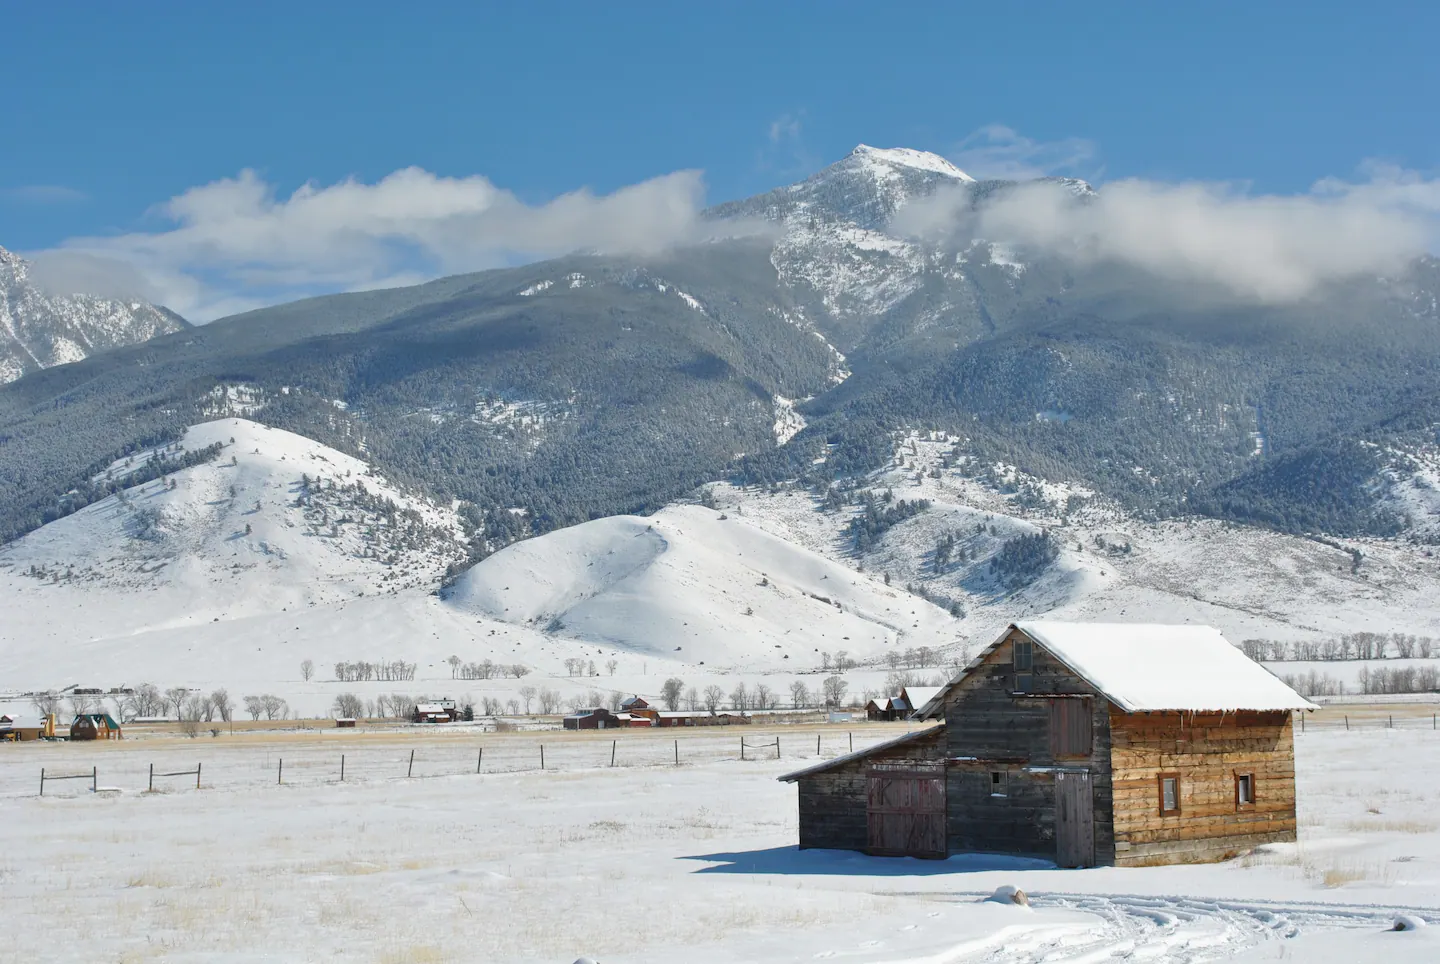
x: 138, y: 767
x: 1368, y: 721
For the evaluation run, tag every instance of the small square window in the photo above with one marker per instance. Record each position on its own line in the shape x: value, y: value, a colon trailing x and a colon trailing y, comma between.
x: 1169, y: 794
x: 999, y: 783
x: 1244, y: 789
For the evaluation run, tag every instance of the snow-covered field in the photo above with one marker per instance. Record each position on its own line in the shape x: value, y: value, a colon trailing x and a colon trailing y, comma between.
x: 654, y: 863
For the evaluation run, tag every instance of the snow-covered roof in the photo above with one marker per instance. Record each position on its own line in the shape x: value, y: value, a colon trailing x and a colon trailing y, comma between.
x: 18, y: 722
x: 918, y: 696
x: 1142, y: 667
x: 860, y: 754
x: 430, y: 708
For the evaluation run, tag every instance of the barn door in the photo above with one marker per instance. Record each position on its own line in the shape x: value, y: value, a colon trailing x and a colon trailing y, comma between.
x: 1074, y: 819
x: 905, y: 811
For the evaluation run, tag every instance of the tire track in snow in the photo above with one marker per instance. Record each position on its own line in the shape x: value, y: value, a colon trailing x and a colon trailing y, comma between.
x: 1184, y: 930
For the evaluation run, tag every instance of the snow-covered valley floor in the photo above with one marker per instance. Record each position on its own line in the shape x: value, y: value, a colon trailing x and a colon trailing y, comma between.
x: 657, y: 863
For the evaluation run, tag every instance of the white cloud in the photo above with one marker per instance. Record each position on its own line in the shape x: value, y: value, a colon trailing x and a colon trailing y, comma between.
x: 1269, y: 247
x: 234, y: 244
x: 997, y: 151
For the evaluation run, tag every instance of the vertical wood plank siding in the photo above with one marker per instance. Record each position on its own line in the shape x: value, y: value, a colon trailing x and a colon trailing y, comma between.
x: 832, y: 802
x: 989, y: 727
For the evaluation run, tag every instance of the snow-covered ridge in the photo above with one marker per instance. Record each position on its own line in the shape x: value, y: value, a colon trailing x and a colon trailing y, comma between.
x: 885, y: 159
x: 39, y: 329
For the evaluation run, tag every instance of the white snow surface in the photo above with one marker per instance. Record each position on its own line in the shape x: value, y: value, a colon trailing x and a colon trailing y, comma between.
x: 1140, y: 666
x: 688, y: 583
x: 885, y: 159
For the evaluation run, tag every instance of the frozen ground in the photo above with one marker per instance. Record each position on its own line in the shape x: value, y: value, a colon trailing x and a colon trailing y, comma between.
x: 659, y: 863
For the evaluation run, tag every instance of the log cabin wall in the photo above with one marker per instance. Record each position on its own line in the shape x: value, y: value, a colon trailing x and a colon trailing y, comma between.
x: 832, y: 802
x: 991, y: 728
x: 1207, y: 752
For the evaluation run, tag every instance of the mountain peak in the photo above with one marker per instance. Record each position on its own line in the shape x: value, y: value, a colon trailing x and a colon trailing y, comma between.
x: 893, y: 157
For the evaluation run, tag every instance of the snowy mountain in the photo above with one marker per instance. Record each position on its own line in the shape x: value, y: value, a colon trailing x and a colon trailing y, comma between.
x: 39, y: 329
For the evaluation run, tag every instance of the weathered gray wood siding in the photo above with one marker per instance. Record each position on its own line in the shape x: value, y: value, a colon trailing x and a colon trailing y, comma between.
x: 991, y: 728
x: 832, y: 802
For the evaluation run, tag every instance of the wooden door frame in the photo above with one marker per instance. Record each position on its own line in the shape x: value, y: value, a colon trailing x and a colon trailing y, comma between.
x: 1089, y: 781
x: 912, y: 770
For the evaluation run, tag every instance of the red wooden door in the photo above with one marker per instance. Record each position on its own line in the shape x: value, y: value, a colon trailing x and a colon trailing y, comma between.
x: 905, y: 812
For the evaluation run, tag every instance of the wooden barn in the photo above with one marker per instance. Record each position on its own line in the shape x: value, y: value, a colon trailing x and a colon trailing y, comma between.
x: 94, y: 726
x: 1082, y: 743
x: 592, y: 718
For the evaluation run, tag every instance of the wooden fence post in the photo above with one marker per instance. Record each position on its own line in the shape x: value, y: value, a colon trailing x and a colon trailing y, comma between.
x: 94, y: 779
x: 280, y: 772
x: 410, y: 770
x: 777, y: 748
x: 42, y: 781
x: 479, y: 759
x: 817, y: 744
x: 197, y: 775
x: 612, y: 752
x: 1347, y: 722
x: 742, y: 748
x: 677, y: 753
x: 342, y: 768
x: 151, y: 787
x: 542, y: 756
x: 852, y: 742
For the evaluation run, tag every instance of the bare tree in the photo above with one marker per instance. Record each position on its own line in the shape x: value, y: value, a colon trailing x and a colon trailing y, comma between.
x: 799, y: 694
x: 254, y: 706
x: 307, y: 669
x: 454, y: 662
x: 670, y: 693
x: 527, y: 693
x: 221, y: 701
x: 348, y: 706
x: 549, y: 701
x: 616, y: 698
x: 764, y: 697
x: 713, y: 696
x: 692, y: 699
x: 740, y: 696
x: 81, y: 703
x: 175, y: 699
x: 513, y: 705
x: 274, y: 706
x: 610, y: 666
x: 835, y: 687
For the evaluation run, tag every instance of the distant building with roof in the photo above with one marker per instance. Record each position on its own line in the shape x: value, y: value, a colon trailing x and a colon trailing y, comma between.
x: 1082, y: 743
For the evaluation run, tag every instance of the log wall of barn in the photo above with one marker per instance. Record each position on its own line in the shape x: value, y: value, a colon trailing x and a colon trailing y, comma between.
x: 832, y: 802
x: 1207, y: 751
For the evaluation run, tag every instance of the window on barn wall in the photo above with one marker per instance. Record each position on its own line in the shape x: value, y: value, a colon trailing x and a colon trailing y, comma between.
x: 999, y: 783
x: 1169, y: 794
x: 1023, y: 656
x: 1244, y: 790
x: 1071, y: 727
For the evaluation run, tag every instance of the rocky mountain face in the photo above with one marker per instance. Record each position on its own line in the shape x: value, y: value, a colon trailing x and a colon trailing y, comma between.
x: 39, y: 329
x: 589, y: 386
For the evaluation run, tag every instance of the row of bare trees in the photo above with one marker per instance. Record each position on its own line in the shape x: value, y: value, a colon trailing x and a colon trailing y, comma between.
x: 1357, y: 646
x: 582, y: 667
x: 486, y: 669
x: 385, y: 671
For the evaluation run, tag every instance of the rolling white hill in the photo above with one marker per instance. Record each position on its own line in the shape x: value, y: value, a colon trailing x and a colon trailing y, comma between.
x: 697, y: 586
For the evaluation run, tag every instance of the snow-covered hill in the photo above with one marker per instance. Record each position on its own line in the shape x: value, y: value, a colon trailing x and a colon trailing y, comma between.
x: 696, y: 586
x: 39, y: 329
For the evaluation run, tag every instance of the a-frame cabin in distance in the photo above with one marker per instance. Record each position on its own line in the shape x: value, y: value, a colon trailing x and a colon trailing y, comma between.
x: 1082, y: 743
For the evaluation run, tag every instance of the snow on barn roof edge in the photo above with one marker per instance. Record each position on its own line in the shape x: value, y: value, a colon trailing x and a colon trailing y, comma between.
x: 1198, y: 670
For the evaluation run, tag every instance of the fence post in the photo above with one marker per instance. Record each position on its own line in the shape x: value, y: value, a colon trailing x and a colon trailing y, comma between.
x: 1347, y: 722
x: 1392, y: 721
x: 151, y: 787
x: 42, y: 781
x: 612, y: 752
x: 280, y: 772
x: 817, y: 744
x: 197, y: 774
x: 742, y: 748
x: 94, y: 779
x: 777, y: 748
x: 342, y: 768
x: 677, y: 753
x: 410, y: 770
x: 852, y: 742
x: 542, y: 756
x: 479, y: 759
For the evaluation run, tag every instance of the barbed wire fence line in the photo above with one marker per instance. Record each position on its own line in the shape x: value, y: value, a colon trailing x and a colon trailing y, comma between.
x: 232, y: 767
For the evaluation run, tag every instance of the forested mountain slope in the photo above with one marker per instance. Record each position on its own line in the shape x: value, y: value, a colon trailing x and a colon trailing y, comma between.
x: 589, y: 386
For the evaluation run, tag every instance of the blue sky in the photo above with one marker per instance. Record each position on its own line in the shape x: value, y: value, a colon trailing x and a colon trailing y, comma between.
x: 114, y: 109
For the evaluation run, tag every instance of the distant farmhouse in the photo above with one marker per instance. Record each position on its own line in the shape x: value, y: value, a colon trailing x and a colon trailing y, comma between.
x: 911, y: 698
x: 1081, y: 743
x: 94, y: 726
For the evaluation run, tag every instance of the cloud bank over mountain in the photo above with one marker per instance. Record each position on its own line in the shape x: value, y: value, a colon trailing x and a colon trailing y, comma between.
x: 1271, y: 248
